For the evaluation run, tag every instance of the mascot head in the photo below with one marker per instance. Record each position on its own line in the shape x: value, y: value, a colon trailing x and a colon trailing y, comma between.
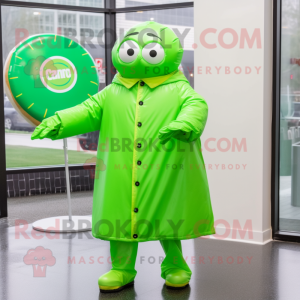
x: 147, y: 50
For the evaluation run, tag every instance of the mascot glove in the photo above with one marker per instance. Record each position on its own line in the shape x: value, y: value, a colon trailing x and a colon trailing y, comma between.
x: 165, y: 134
x: 47, y: 129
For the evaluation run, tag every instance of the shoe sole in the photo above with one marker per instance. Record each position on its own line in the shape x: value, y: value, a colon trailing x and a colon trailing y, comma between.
x: 118, y: 289
x: 176, y: 287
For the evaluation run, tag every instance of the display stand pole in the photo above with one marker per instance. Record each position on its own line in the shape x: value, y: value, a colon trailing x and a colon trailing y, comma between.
x: 67, y: 178
x: 65, y: 224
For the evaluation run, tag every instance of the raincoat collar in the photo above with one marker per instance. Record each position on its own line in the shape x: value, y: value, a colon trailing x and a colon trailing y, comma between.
x: 152, y: 82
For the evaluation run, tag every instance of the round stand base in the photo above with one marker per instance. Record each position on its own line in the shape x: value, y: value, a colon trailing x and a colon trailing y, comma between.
x: 62, y: 224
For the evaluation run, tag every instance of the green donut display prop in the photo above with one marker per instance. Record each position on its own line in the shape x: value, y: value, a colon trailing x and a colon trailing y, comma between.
x: 47, y: 73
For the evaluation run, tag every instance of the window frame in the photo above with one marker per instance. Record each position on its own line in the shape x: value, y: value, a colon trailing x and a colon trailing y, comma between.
x: 275, y: 174
x: 109, y: 12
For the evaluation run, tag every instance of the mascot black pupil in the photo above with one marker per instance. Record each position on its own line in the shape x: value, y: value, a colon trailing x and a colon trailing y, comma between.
x: 130, y: 52
x: 153, y: 53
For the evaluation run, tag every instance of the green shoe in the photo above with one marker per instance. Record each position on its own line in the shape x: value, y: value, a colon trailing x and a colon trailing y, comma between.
x: 177, y: 279
x: 115, y: 281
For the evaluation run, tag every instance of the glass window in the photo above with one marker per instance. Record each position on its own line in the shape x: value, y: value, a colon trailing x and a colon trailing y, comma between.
x: 20, y: 22
x: 168, y: 17
x: 182, y: 26
x: 289, y: 209
x: 132, y: 3
x: 87, y: 3
x: 7, y: 104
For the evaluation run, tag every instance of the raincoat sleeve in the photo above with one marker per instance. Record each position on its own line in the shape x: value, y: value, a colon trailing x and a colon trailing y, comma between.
x: 82, y: 118
x: 191, y: 120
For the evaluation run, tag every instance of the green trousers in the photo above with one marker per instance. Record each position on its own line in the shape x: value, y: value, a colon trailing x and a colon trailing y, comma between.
x: 123, y: 255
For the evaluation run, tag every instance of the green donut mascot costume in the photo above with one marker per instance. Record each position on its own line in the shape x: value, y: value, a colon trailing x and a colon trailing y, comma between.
x: 154, y: 186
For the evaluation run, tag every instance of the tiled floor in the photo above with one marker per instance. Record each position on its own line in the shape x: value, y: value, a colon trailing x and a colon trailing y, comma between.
x: 221, y: 269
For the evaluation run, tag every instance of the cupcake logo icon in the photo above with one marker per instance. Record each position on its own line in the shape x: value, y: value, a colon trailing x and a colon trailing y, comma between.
x: 39, y: 258
x: 90, y: 165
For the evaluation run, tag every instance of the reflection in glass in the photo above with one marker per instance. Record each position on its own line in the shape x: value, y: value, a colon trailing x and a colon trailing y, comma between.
x: 19, y: 23
x: 289, y: 213
x: 131, y: 3
x: 87, y: 3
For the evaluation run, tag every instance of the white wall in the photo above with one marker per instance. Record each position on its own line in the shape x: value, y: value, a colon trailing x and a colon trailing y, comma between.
x: 239, y: 110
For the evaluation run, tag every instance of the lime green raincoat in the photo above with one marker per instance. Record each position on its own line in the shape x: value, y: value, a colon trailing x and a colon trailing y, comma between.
x: 144, y: 189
